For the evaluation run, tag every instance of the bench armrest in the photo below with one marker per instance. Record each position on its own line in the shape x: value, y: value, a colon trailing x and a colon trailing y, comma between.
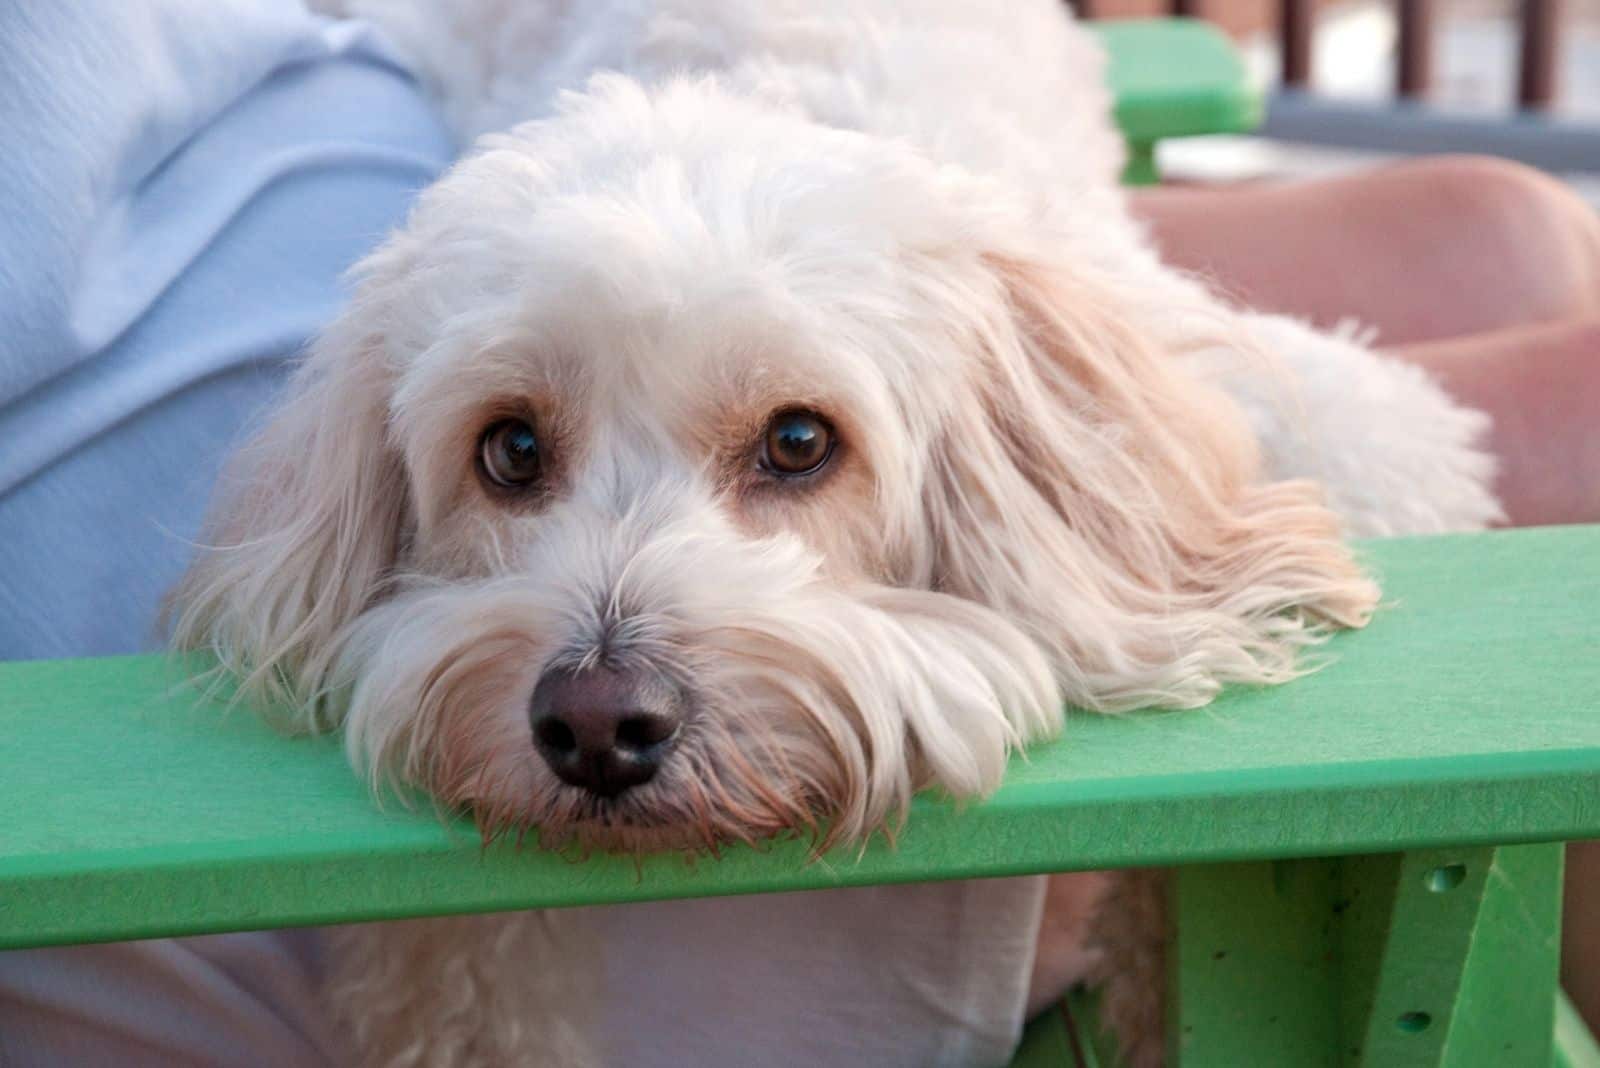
x: 1465, y: 713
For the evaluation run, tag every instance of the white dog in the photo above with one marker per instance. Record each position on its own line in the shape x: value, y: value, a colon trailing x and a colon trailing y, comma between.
x: 788, y: 418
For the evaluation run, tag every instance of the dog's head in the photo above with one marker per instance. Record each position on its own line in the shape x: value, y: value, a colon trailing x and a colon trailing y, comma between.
x: 685, y: 471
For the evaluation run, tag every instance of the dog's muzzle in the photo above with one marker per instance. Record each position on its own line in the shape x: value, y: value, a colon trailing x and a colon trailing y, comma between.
x: 605, y: 729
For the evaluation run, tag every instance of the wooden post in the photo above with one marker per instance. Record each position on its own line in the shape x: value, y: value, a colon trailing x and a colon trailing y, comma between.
x: 1430, y: 958
x: 1414, y: 74
x: 1296, y: 21
x: 1536, y: 83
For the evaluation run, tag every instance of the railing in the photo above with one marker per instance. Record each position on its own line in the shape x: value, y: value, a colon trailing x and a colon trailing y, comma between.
x: 1540, y: 29
x: 1526, y: 132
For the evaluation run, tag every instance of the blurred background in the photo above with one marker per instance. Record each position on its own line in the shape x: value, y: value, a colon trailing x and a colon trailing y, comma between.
x: 1354, y: 81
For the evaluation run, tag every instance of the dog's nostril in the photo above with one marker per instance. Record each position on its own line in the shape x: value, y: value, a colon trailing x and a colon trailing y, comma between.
x: 642, y: 732
x: 554, y: 734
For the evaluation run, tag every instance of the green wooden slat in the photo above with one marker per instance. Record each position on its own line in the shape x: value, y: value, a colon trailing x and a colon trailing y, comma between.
x: 1449, y: 957
x: 1175, y: 78
x: 1404, y: 954
x: 1096, y: 1047
x: 1442, y: 957
x: 1046, y: 1043
x: 1506, y: 1010
x: 1466, y: 713
x: 1252, y: 964
x: 1067, y: 1035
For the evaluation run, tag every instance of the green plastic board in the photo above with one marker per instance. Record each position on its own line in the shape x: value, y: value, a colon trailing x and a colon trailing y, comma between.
x: 1443, y: 957
x: 1465, y: 713
x: 1435, y: 957
x: 1174, y: 78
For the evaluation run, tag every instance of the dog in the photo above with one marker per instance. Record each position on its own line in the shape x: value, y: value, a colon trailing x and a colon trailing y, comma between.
x: 777, y: 412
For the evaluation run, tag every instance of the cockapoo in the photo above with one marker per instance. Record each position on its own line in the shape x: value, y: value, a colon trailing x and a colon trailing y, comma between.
x: 778, y: 412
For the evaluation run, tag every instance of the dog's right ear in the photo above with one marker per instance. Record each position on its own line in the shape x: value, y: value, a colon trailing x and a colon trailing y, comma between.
x: 1092, y: 490
x: 307, y: 521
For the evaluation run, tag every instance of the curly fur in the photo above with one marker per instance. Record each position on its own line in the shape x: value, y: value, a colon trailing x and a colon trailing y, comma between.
x: 1067, y: 474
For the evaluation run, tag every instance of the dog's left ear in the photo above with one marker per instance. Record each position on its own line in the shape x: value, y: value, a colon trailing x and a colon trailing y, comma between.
x: 307, y: 525
x: 1087, y: 487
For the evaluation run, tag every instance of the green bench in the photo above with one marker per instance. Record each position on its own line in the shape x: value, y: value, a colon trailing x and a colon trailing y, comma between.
x: 1174, y: 78
x: 1367, y: 863
x: 1369, y: 874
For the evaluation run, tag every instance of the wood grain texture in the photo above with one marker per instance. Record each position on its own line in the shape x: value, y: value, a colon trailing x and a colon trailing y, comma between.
x: 1468, y: 712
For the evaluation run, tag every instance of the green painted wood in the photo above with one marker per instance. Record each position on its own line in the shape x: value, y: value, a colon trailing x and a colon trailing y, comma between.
x: 1400, y: 958
x: 1506, y: 1010
x: 1575, y: 1046
x: 1251, y: 960
x: 1433, y: 957
x: 1095, y: 1047
x: 1465, y: 713
x: 1068, y: 1035
x: 1449, y: 956
x: 1174, y: 78
x: 1047, y: 1043
x: 1141, y: 166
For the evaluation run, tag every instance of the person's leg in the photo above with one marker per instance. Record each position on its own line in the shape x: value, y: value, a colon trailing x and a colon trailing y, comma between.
x: 1430, y: 248
x: 1541, y: 384
x: 1485, y: 273
x: 1452, y: 260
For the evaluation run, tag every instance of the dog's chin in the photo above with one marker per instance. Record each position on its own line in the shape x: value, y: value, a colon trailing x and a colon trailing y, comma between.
x: 611, y: 833
x: 648, y: 821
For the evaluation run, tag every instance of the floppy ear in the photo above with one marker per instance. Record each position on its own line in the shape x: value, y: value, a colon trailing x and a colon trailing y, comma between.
x: 308, y: 519
x: 1090, y: 489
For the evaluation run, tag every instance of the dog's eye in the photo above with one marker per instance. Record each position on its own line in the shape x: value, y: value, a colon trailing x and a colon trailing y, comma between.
x: 510, y: 453
x: 797, y: 443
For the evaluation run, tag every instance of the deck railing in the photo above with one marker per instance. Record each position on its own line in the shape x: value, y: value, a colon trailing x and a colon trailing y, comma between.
x: 1526, y: 130
x: 1540, y: 24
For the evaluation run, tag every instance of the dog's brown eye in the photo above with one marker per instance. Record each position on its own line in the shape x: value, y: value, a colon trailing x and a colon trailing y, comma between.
x: 510, y: 453
x: 797, y: 443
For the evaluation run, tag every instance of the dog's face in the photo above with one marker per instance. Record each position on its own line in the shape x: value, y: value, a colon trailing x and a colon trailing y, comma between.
x: 686, y: 472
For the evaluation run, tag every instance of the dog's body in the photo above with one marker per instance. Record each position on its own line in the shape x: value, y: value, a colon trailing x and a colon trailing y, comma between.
x: 890, y: 232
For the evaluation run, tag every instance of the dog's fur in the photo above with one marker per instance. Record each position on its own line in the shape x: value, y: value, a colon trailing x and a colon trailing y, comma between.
x: 1050, y: 487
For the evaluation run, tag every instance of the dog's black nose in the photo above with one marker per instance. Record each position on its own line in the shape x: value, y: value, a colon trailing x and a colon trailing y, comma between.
x: 604, y: 729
